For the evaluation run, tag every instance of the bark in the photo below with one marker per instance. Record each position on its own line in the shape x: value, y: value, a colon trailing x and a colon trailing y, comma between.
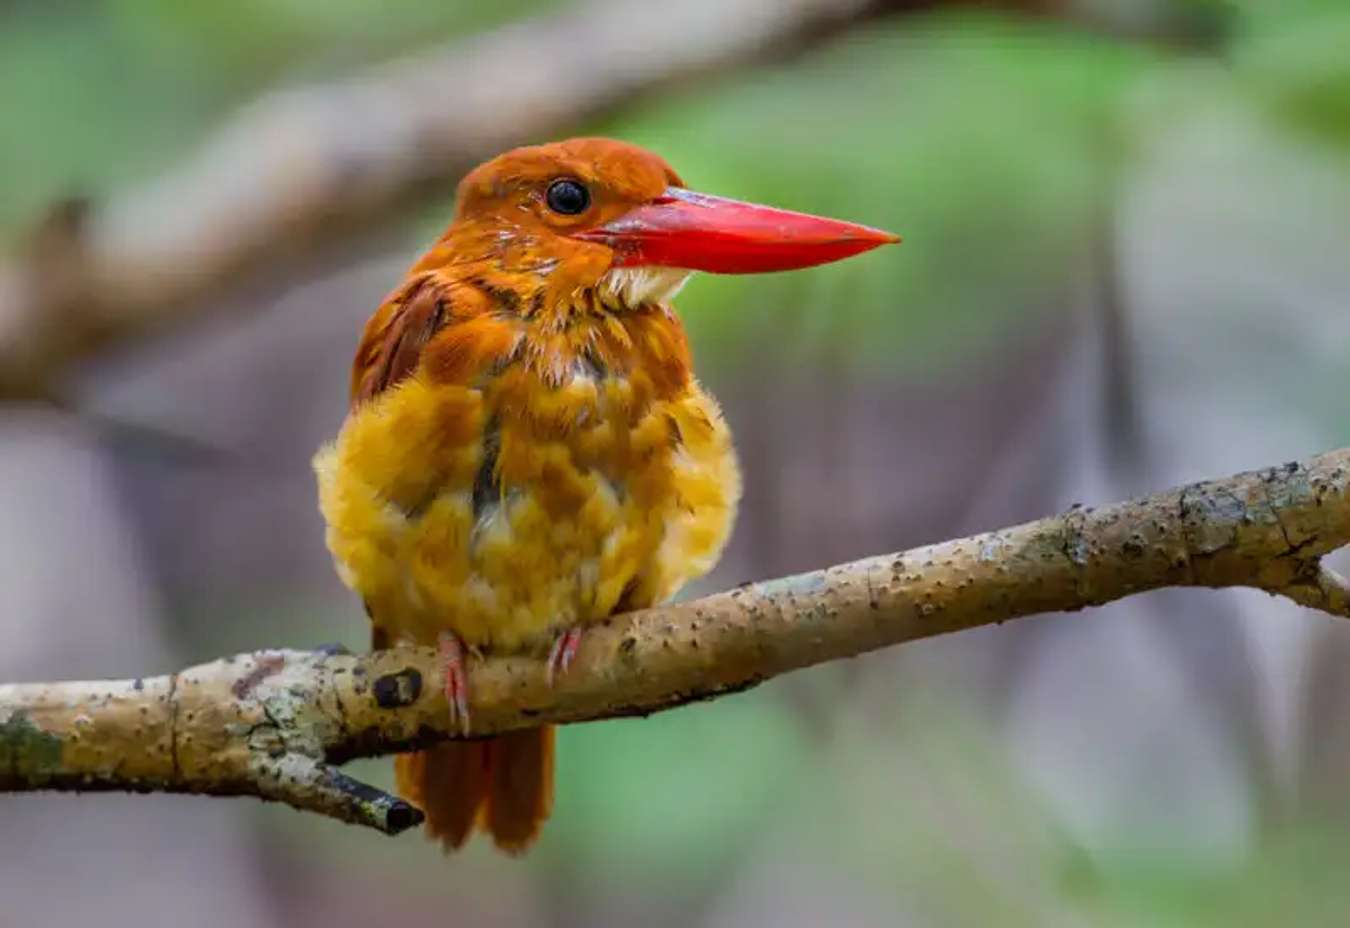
x: 275, y: 724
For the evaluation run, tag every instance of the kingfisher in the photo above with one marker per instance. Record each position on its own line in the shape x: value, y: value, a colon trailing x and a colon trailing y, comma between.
x: 527, y: 451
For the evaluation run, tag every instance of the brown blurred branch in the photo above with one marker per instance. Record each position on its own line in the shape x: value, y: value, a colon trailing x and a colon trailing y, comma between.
x: 274, y: 723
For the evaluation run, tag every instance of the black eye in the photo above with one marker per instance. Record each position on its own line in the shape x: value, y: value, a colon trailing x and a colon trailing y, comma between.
x: 568, y: 197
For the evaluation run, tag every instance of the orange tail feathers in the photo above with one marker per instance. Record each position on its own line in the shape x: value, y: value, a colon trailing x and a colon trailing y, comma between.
x: 503, y: 785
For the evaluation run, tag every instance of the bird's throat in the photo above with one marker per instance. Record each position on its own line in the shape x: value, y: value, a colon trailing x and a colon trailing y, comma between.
x: 641, y: 286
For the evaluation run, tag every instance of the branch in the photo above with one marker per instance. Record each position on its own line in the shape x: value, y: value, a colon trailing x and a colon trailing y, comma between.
x: 274, y: 724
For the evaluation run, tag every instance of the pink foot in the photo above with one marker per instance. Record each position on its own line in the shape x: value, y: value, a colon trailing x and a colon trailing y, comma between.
x: 561, y: 654
x: 451, y: 649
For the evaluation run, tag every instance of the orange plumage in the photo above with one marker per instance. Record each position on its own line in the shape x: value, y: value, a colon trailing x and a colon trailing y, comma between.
x: 527, y: 450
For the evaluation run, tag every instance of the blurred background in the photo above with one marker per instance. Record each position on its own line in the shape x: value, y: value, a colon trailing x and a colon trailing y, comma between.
x: 1125, y: 266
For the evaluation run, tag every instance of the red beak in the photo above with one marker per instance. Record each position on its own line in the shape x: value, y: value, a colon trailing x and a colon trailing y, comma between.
x: 705, y: 233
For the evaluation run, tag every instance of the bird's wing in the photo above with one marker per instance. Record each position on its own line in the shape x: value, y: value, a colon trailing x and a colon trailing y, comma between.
x: 503, y: 785
x: 395, y: 336
x: 390, y: 350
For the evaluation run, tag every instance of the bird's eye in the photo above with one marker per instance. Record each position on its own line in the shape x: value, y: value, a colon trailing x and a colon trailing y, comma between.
x: 568, y: 197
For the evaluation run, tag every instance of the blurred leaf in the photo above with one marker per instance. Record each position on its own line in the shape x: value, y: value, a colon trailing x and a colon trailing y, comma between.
x: 675, y: 797
x: 1295, y: 879
x: 1296, y: 58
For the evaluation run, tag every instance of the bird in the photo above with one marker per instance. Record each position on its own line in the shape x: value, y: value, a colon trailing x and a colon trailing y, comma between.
x: 527, y: 451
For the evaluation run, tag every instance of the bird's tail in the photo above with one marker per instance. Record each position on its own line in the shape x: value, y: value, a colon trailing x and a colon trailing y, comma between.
x: 503, y: 785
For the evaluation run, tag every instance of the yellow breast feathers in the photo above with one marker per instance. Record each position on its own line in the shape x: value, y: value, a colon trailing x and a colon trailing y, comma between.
x: 561, y: 479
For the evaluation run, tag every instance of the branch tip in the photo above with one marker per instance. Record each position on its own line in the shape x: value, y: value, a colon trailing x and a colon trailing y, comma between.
x: 1322, y: 588
x: 314, y: 786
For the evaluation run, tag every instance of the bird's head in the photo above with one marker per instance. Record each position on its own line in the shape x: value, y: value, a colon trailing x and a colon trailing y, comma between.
x: 596, y: 218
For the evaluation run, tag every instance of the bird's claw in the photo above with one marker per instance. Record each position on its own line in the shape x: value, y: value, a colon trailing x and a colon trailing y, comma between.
x: 452, y: 649
x: 560, y: 656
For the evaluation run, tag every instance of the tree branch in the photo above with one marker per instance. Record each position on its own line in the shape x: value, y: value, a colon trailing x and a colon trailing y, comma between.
x: 274, y: 724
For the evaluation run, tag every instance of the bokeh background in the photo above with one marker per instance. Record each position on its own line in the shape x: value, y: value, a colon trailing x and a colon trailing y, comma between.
x: 1126, y: 265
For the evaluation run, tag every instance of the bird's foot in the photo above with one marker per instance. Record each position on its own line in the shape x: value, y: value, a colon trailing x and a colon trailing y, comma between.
x: 452, y: 649
x: 561, y: 654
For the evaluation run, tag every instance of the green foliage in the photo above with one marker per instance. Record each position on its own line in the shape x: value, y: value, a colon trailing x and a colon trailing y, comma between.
x: 678, y: 796
x: 1296, y: 878
x: 1296, y: 60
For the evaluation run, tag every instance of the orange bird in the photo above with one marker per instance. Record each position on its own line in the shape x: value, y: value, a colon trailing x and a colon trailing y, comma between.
x: 527, y: 450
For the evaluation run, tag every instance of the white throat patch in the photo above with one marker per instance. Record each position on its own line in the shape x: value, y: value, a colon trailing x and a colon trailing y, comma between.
x: 640, y: 286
